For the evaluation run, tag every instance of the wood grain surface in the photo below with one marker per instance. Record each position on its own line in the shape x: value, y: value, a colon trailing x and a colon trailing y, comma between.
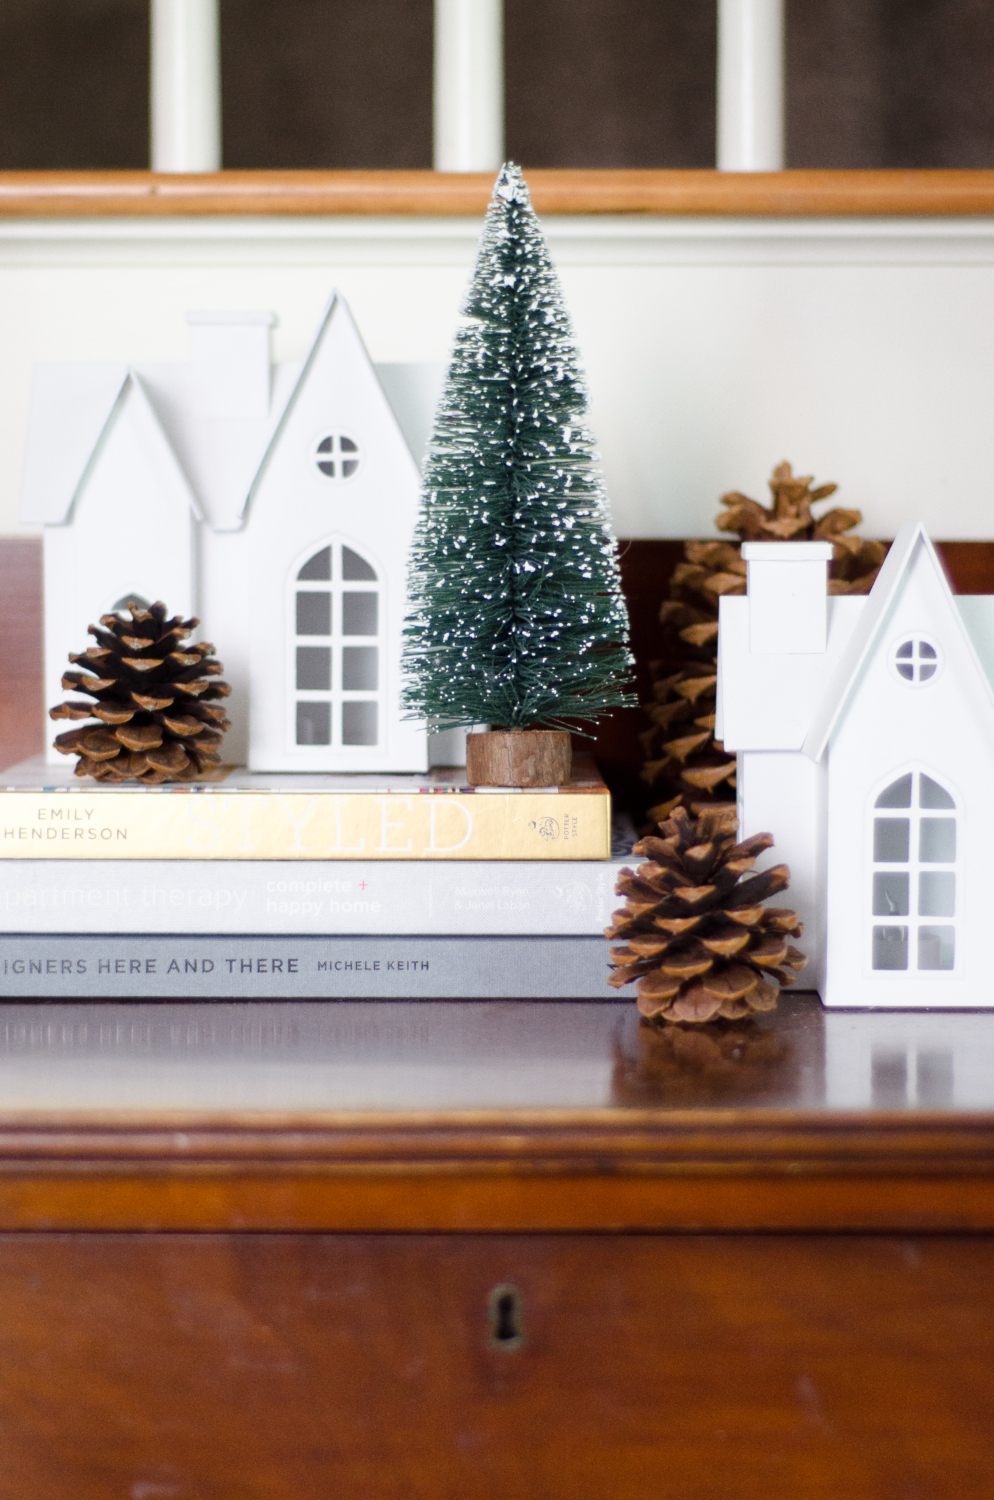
x: 508, y: 1170
x: 261, y: 1367
x: 519, y: 757
x: 795, y: 193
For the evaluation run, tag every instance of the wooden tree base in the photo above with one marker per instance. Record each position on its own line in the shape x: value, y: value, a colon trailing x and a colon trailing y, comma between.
x: 519, y: 757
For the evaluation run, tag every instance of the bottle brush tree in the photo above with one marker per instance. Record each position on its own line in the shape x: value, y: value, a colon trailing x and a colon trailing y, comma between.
x: 517, y: 618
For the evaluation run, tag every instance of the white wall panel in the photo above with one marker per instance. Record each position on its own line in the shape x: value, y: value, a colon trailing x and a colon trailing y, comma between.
x: 861, y: 350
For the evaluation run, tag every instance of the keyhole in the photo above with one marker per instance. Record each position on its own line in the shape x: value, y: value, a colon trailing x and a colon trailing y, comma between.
x: 506, y: 1323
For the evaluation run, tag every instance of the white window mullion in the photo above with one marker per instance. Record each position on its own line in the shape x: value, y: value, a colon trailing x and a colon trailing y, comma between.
x: 915, y: 863
x: 349, y: 573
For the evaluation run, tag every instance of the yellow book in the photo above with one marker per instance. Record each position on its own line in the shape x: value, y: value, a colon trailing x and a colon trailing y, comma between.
x: 47, y: 814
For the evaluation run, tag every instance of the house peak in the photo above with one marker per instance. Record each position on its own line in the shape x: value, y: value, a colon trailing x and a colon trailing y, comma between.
x: 911, y: 543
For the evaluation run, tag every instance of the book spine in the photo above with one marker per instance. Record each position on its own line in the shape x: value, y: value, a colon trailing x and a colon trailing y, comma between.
x: 471, y: 898
x: 192, y: 967
x: 304, y: 825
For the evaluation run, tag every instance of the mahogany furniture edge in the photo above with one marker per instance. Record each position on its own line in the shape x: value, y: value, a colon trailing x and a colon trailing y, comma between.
x: 792, y: 193
x: 539, y: 1171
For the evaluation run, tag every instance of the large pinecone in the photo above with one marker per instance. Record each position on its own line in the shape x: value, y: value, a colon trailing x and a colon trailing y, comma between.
x: 682, y: 756
x: 155, y: 701
x: 694, y: 933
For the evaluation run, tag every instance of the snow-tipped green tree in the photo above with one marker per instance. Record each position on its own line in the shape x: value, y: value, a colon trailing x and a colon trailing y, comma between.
x: 517, y: 617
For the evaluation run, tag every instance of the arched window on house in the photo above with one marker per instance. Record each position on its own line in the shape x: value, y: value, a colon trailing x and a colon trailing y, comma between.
x: 915, y: 876
x: 337, y: 662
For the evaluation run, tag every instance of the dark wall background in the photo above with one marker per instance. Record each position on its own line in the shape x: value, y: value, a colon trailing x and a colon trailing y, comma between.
x: 890, y: 83
x: 610, y: 83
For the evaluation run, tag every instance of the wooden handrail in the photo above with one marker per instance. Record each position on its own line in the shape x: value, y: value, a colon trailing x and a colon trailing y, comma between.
x: 794, y: 194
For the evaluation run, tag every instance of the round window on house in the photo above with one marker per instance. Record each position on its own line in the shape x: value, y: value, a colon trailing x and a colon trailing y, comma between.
x: 337, y: 456
x: 915, y: 660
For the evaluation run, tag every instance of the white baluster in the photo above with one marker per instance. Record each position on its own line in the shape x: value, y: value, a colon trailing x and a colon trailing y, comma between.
x: 186, y: 86
x: 469, y: 85
x: 750, y: 85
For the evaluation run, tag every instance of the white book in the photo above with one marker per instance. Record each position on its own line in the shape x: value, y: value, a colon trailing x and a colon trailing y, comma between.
x: 215, y: 897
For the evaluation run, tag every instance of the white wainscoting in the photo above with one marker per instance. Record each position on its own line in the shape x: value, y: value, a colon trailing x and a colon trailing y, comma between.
x: 861, y: 349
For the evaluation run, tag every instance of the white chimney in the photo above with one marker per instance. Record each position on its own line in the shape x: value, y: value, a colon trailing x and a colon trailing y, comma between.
x: 788, y: 596
x: 231, y: 362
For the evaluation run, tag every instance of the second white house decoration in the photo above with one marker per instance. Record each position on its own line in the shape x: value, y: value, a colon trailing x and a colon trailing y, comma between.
x: 864, y: 729
x: 276, y: 502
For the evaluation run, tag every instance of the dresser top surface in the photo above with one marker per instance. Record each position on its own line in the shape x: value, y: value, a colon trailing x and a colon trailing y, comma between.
x: 282, y: 1059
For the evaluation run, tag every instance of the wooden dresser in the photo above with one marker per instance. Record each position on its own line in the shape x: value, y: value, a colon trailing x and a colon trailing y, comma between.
x: 301, y: 1251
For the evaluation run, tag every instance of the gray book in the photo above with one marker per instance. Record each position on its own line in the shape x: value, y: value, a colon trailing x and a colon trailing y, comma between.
x: 358, y: 966
x: 465, y: 897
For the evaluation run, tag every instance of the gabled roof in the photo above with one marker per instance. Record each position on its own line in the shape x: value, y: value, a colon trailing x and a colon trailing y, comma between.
x: 58, y: 464
x: 291, y: 399
x: 220, y: 454
x: 911, y: 542
x: 336, y: 308
x: 157, y: 439
x: 72, y: 407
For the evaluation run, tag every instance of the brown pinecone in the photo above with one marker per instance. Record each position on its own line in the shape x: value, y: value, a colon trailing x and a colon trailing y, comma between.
x: 155, y: 701
x: 695, y: 936
x: 683, y: 759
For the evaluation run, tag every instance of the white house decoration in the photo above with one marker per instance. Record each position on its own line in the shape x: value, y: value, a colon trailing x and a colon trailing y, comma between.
x: 277, y: 502
x: 864, y: 729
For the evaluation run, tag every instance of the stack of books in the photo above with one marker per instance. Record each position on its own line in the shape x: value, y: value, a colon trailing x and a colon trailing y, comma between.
x: 305, y: 887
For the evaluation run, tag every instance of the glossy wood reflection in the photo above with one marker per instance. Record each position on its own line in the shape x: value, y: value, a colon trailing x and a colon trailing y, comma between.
x: 730, y: 1127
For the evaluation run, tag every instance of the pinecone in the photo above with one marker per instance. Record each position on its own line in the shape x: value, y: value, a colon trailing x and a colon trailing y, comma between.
x: 695, y: 936
x: 155, y: 700
x: 683, y: 759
